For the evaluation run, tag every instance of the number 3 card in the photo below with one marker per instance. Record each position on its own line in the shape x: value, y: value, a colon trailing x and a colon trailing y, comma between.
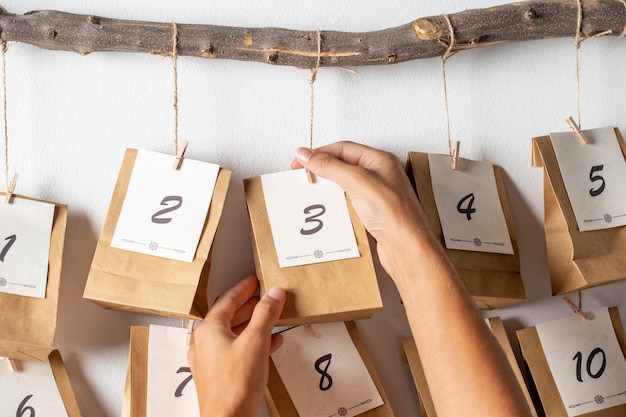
x: 164, y: 210
x: 310, y: 222
x: 595, y: 177
x: 469, y: 205
x: 25, y: 231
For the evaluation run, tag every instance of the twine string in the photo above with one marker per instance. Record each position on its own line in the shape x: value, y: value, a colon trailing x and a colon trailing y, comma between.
x: 312, y: 90
x: 577, y: 42
x: 6, y: 130
x: 444, y: 58
x: 175, y: 66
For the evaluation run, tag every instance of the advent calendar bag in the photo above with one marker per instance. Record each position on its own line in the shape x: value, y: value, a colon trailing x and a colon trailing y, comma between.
x: 28, y: 323
x: 335, y: 290
x: 578, y: 365
x: 131, y: 281
x: 492, y: 279
x: 577, y: 259
x: 411, y: 356
x: 332, y: 370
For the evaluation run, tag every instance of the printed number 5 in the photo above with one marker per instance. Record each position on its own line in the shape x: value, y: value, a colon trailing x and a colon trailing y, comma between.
x: 21, y: 410
x: 156, y: 217
x: 313, y: 218
x: 6, y: 248
x: 594, y: 178
x: 181, y: 387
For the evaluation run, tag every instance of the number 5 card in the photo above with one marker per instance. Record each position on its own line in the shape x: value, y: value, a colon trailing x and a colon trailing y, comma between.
x: 165, y: 209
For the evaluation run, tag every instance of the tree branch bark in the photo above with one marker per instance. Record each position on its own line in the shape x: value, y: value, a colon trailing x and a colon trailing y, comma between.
x: 422, y: 38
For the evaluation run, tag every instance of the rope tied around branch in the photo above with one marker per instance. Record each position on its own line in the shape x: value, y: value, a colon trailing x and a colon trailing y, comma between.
x: 311, y: 88
x: 449, y: 52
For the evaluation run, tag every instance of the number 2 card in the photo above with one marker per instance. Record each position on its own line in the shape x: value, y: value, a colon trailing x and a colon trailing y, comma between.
x: 310, y: 222
x: 595, y: 177
x: 165, y: 209
x: 469, y: 205
x: 25, y: 232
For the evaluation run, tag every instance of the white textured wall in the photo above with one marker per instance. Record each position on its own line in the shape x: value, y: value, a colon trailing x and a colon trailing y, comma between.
x: 71, y: 117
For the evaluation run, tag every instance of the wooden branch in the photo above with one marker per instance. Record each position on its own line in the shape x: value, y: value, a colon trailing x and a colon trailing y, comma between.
x: 423, y: 38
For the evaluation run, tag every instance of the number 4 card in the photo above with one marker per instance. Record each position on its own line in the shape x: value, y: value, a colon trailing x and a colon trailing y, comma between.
x: 595, y: 177
x: 469, y: 205
x: 165, y: 209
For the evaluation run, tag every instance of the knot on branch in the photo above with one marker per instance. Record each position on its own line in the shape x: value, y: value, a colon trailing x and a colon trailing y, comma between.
x: 427, y: 29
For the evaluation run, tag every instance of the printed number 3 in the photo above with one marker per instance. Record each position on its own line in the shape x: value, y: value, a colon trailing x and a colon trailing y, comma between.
x: 313, y: 218
x: 6, y: 248
x: 156, y: 217
x: 593, y: 178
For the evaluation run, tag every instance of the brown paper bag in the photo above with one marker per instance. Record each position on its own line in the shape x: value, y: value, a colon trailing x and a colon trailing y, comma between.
x: 325, y: 292
x: 542, y: 376
x: 412, y: 357
x: 136, y: 388
x: 493, y: 279
x: 29, y: 324
x: 130, y: 281
x: 576, y: 259
x: 63, y: 383
x: 279, y: 403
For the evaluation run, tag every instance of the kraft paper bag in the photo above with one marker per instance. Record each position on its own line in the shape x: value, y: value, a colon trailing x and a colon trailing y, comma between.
x: 324, y: 292
x: 412, y: 358
x: 130, y: 281
x: 576, y: 259
x: 63, y: 383
x: 29, y: 324
x: 493, y: 280
x: 533, y: 354
x: 279, y: 404
x: 136, y: 388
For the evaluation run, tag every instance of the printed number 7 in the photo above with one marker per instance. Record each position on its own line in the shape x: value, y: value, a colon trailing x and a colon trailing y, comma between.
x: 6, y: 248
x: 181, y: 387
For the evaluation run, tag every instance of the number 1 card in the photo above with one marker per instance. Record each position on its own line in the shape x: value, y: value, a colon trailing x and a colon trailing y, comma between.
x: 25, y: 232
x: 469, y: 205
x: 595, y: 177
x: 164, y: 210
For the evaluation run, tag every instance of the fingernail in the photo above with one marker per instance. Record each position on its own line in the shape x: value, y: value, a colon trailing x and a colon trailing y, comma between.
x: 276, y: 293
x: 303, y: 154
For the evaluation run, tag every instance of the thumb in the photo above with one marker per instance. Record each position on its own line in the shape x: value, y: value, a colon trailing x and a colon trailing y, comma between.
x: 266, y: 313
x: 325, y: 165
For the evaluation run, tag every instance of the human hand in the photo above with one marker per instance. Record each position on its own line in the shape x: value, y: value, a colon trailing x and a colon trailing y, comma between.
x: 230, y: 349
x: 380, y: 192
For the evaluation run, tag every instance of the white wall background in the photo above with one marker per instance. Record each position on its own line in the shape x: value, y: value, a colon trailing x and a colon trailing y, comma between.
x: 71, y: 117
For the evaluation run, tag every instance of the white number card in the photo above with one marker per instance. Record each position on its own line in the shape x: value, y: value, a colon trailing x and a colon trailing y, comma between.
x: 30, y: 391
x: 586, y: 362
x: 595, y: 177
x: 310, y: 222
x: 324, y: 374
x: 469, y: 206
x: 165, y: 209
x: 171, y: 391
x: 25, y: 230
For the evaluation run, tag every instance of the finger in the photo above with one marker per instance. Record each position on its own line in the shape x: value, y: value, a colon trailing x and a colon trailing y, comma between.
x: 243, y: 314
x: 276, y: 343
x: 227, y: 304
x: 266, y: 314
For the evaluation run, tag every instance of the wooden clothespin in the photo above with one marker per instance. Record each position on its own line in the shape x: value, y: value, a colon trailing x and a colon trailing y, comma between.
x: 576, y: 309
x: 11, y: 190
x: 12, y: 364
x: 455, y: 155
x: 310, y: 177
x: 572, y: 124
x: 189, y: 332
x: 180, y: 154
x: 312, y: 331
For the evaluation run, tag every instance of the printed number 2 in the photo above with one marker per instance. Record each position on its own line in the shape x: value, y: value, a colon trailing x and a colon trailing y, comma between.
x: 6, y: 248
x: 469, y: 209
x: 578, y: 357
x: 181, y: 387
x: 156, y: 217
x: 21, y: 410
x: 313, y: 218
x: 593, y: 178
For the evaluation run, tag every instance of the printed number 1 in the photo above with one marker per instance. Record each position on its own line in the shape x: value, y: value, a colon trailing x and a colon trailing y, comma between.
x: 21, y: 410
x: 6, y: 248
x: 593, y: 178
x: 181, y: 387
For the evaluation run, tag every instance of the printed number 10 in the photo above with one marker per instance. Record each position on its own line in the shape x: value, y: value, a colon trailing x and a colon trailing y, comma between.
x: 578, y: 357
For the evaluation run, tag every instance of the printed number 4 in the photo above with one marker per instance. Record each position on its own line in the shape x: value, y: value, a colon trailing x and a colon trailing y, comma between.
x: 593, y: 178
x: 181, y: 387
x: 469, y: 209
x: 6, y: 248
